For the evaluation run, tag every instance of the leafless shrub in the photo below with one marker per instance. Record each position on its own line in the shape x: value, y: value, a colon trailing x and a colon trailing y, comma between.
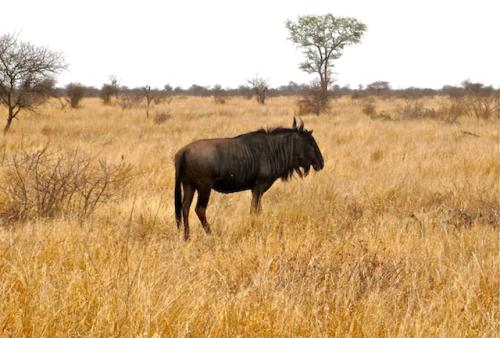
x: 478, y: 104
x: 129, y: 100
x: 481, y: 102
x: 414, y: 109
x: 453, y: 109
x: 161, y: 117
x: 483, y: 106
x: 48, y: 184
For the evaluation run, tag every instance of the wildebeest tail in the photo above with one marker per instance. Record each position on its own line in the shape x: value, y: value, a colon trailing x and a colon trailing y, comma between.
x: 179, y: 169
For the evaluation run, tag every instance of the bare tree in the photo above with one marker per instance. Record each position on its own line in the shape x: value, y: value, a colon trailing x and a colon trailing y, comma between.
x: 260, y: 88
x: 26, y: 75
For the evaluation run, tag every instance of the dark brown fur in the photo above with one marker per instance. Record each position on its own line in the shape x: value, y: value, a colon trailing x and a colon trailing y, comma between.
x: 252, y: 161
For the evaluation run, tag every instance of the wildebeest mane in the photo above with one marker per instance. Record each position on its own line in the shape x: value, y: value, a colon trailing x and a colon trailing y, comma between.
x: 277, y: 147
x: 269, y: 131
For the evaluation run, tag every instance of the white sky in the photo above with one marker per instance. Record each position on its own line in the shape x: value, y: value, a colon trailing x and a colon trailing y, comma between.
x: 426, y: 43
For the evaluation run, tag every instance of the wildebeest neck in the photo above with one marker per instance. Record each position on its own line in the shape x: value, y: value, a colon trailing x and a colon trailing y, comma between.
x: 274, y: 148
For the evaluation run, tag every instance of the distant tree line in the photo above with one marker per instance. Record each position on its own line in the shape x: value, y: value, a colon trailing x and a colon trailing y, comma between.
x: 378, y: 88
x: 28, y: 77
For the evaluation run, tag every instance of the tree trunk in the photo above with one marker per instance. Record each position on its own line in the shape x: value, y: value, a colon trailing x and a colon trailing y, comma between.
x: 10, y: 117
x: 323, y: 95
x: 7, y: 126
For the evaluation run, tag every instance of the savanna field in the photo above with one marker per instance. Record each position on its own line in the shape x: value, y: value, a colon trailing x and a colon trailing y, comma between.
x: 398, y: 236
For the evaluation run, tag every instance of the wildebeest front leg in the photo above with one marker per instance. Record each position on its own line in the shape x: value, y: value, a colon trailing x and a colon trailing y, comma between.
x: 201, y: 207
x: 256, y: 206
x: 186, y: 204
x: 257, y: 193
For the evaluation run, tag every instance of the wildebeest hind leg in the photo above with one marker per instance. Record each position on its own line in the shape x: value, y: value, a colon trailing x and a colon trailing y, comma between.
x: 186, y: 204
x: 201, y: 207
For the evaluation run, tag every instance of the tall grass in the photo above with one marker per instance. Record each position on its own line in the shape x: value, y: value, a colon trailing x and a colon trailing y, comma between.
x: 397, y: 236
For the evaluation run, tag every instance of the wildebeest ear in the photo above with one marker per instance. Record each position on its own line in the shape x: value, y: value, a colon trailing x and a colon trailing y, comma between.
x: 310, y: 132
x: 301, y: 126
x: 294, y: 124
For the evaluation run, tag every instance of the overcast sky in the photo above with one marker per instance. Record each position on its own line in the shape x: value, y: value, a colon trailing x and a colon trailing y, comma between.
x: 425, y: 43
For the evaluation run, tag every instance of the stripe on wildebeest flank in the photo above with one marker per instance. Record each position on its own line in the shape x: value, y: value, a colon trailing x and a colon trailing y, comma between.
x: 252, y: 161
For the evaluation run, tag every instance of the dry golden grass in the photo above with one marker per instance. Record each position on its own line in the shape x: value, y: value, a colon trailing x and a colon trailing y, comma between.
x: 397, y: 236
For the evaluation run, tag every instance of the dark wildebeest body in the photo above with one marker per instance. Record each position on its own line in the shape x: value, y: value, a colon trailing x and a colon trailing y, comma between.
x: 252, y: 161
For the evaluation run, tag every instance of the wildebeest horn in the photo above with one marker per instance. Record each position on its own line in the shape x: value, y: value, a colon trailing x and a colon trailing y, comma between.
x: 301, y: 126
x: 294, y: 124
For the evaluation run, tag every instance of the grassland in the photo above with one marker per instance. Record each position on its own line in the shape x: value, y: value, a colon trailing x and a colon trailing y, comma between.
x: 398, y: 235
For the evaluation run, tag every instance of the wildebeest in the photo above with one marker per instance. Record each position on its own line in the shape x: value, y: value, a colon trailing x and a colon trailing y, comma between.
x: 251, y: 161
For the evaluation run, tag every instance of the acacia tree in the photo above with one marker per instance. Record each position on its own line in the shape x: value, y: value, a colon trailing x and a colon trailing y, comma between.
x: 26, y: 75
x: 379, y: 87
x: 322, y: 39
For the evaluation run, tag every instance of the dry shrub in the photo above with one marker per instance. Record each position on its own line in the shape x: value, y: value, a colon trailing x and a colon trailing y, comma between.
x: 308, y: 104
x: 75, y: 93
x: 48, y: 184
x: 482, y: 211
x: 219, y: 94
x: 311, y: 102
x: 166, y: 99
x: 414, y: 109
x: 483, y: 106
x: 453, y: 109
x: 478, y: 105
x: 219, y: 99
x: 129, y: 100
x: 161, y: 117
x: 369, y: 109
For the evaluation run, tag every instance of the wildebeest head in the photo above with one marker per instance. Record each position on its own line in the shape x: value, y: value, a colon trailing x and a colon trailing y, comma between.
x: 306, y: 150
